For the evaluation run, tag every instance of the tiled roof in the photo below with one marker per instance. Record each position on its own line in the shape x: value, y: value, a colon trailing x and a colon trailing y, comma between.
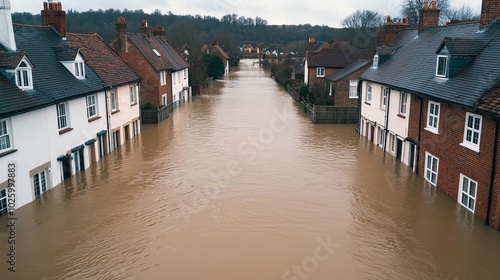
x: 385, y: 51
x: 52, y: 82
x: 464, y: 46
x: 169, y: 58
x: 221, y: 51
x: 348, y: 70
x: 10, y: 60
x: 339, y: 55
x: 491, y: 101
x: 105, y: 62
x: 413, y: 66
x: 66, y: 53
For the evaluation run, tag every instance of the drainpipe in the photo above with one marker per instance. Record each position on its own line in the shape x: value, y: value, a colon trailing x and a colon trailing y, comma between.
x: 108, y: 119
x: 139, y: 104
x: 419, y: 134
x: 493, y: 173
x: 387, y: 118
x: 360, y: 97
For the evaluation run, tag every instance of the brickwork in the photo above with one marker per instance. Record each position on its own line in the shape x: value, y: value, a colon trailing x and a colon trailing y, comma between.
x: 489, y: 11
x: 341, y: 93
x: 455, y: 159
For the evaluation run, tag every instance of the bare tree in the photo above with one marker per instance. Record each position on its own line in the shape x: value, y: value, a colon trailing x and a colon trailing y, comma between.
x: 410, y: 9
x: 464, y: 13
x: 363, y: 20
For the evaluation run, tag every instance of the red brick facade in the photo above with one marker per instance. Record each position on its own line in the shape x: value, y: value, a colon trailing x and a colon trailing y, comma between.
x: 53, y: 15
x: 454, y: 158
x: 489, y: 11
x: 429, y: 16
x: 390, y: 30
x: 341, y: 89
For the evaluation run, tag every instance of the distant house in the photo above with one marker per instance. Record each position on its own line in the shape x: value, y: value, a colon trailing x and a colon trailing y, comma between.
x: 328, y: 60
x: 162, y: 68
x: 53, y: 118
x: 342, y: 85
x: 433, y: 102
x: 122, y: 85
x: 217, y: 50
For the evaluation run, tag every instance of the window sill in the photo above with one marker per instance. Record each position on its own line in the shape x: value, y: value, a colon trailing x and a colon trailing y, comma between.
x: 402, y: 116
x: 382, y: 108
x: 353, y: 97
x: 432, y: 130
x: 368, y: 103
x: 65, y: 130
x: 115, y: 111
x: 133, y: 104
x: 470, y: 146
x: 95, y: 118
x: 6, y: 153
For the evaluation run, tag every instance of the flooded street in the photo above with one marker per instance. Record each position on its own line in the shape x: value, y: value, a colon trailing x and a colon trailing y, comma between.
x: 238, y: 184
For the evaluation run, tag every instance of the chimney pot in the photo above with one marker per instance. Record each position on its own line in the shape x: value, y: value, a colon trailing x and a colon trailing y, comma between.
x: 426, y: 4
x: 388, y: 19
x: 434, y: 4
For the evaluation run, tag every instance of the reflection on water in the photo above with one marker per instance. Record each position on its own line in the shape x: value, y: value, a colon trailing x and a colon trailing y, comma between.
x: 238, y: 184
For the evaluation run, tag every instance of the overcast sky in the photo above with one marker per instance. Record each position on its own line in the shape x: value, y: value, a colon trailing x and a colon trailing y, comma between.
x: 279, y: 12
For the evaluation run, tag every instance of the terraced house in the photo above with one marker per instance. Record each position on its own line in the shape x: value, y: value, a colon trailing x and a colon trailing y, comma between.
x: 163, y: 70
x: 55, y: 113
x: 431, y: 99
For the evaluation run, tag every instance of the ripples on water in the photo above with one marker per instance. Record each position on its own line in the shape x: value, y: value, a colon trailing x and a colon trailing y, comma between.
x: 163, y: 207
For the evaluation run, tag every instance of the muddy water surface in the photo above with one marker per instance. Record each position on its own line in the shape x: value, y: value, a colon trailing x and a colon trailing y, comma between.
x: 238, y: 184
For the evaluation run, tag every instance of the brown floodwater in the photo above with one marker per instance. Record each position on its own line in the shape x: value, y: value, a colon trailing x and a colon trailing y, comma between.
x: 238, y: 184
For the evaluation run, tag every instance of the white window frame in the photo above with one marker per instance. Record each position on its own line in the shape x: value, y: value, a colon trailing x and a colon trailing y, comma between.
x: 465, y: 192
x: 62, y: 117
x: 24, y: 75
x: 163, y: 77
x: 446, y: 59
x: 3, y: 202
x: 369, y: 93
x: 403, y: 103
x: 79, y: 68
x: 375, y: 61
x: 433, y: 118
x: 91, y: 105
x: 353, y: 89
x: 133, y: 95
x: 384, y: 94
x: 320, y: 71
x: 185, y: 73
x: 40, y: 183
x: 393, y: 143
x: 330, y: 89
x: 113, y: 99
x: 164, y: 100
x: 432, y: 170
x: 5, y: 136
x: 470, y: 132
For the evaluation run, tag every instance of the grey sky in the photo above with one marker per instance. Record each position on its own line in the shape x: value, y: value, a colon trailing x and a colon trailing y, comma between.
x: 315, y: 12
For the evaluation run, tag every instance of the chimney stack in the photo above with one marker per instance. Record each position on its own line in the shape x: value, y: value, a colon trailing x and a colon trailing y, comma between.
x: 145, y: 28
x: 428, y: 17
x: 490, y: 10
x: 7, y: 31
x: 390, y: 30
x: 159, y: 31
x: 53, y: 15
x: 312, y: 44
x: 120, y: 35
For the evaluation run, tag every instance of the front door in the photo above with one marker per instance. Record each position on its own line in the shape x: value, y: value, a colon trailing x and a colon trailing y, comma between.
x: 412, y: 155
x: 399, y: 148
x: 66, y: 166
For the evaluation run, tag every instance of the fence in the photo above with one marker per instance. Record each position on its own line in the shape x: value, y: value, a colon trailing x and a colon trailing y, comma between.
x: 150, y: 116
x: 326, y: 114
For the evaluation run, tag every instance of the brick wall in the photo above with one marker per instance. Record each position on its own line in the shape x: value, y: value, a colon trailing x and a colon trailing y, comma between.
x: 389, y: 32
x: 341, y: 94
x: 429, y: 17
x: 489, y: 11
x: 455, y: 159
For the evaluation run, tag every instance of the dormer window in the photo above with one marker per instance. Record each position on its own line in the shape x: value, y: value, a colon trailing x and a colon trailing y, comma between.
x: 79, y: 70
x: 442, y: 66
x: 375, y: 62
x: 24, y: 79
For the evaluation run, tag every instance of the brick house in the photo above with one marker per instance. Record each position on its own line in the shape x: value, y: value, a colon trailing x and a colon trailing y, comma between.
x: 323, y: 61
x: 448, y: 77
x: 342, y: 85
x: 163, y: 70
x: 218, y: 51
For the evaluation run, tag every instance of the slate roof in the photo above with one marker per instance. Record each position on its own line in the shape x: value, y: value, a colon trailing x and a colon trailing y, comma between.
x: 66, y: 53
x: 170, y: 59
x: 105, y: 62
x: 10, y: 60
x: 339, y: 55
x: 412, y: 67
x: 464, y: 46
x: 52, y: 82
x: 360, y: 63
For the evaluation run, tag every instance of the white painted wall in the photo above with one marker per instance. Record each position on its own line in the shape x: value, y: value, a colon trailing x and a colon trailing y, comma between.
x: 128, y: 112
x: 179, y: 85
x: 7, y: 32
x: 306, y: 72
